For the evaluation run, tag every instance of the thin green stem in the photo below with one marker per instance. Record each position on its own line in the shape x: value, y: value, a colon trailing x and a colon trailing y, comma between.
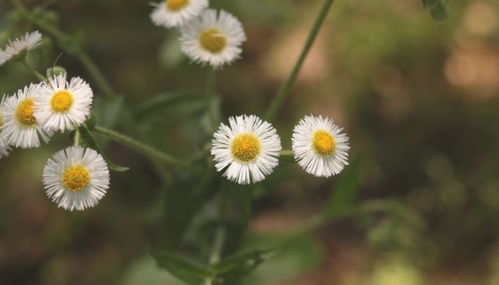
x: 141, y: 147
x: 37, y: 74
x: 77, y: 138
x: 68, y: 45
x: 285, y: 88
x: 217, y: 245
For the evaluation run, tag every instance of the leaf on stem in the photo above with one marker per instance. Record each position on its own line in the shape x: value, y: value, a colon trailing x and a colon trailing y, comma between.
x: 344, y: 192
x: 89, y: 140
x: 159, y: 103
x: 181, y: 268
x: 233, y: 268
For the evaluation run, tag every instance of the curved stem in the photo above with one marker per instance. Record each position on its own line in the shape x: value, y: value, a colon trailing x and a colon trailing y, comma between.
x: 37, y: 74
x: 284, y: 91
x: 141, y: 147
x: 65, y: 43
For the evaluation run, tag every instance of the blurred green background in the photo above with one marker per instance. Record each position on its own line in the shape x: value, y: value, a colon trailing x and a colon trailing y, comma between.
x: 419, y: 99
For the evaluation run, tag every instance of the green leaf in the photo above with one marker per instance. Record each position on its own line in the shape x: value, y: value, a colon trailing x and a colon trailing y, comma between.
x: 182, y: 268
x: 108, y: 109
x: 89, y: 140
x: 344, y: 191
x: 170, y: 99
x: 241, y: 264
x: 438, y: 8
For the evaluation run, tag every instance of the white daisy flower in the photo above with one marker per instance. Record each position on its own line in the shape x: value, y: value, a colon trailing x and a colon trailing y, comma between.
x: 320, y: 147
x: 21, y: 127
x: 174, y: 13
x: 213, y: 38
x: 19, y: 46
x: 76, y: 178
x: 248, y: 148
x: 4, y: 146
x: 63, y: 104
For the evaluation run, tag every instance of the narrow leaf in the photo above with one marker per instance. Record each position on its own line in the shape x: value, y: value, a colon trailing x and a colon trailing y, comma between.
x: 160, y: 102
x: 241, y: 264
x: 182, y: 268
x: 90, y: 141
x: 344, y: 191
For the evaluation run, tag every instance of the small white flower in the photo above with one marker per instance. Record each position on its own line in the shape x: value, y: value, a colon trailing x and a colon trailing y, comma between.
x: 27, y: 42
x: 21, y: 127
x: 174, y: 13
x: 76, y: 178
x: 4, y: 146
x: 63, y: 105
x: 213, y: 38
x: 248, y: 149
x: 320, y: 147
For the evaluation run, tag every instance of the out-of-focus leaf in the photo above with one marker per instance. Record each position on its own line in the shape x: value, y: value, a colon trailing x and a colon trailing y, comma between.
x: 170, y: 99
x: 108, y: 109
x: 89, y: 140
x: 344, y: 192
x: 182, y: 268
x: 293, y: 257
x: 438, y: 8
x: 237, y: 266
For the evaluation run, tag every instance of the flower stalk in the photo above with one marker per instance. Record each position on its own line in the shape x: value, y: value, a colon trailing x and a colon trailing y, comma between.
x: 286, y: 87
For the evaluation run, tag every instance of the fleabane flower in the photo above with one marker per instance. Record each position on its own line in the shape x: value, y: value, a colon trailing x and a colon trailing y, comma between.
x: 20, y: 46
x: 4, y: 146
x: 174, y: 13
x: 76, y: 178
x: 214, y: 38
x: 319, y: 146
x: 63, y: 104
x: 247, y: 149
x: 21, y: 128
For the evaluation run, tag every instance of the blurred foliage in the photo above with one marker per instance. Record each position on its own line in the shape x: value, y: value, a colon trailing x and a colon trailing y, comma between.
x: 419, y: 99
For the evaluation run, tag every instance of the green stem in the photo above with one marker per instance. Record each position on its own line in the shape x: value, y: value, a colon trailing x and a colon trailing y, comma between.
x: 218, y: 245
x: 285, y: 88
x: 141, y: 147
x: 37, y: 74
x: 77, y: 138
x: 65, y: 43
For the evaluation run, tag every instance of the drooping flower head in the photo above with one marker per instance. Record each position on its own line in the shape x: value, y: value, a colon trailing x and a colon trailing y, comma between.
x: 20, y: 46
x: 215, y: 38
x: 174, y: 13
x: 21, y: 128
x: 247, y: 149
x: 320, y: 147
x: 76, y: 178
x: 63, y: 104
x: 4, y: 146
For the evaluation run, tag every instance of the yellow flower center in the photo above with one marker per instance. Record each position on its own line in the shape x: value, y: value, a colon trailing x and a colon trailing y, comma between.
x: 176, y: 5
x: 245, y: 147
x: 323, y: 143
x: 76, y: 178
x: 24, y: 113
x: 61, y: 101
x: 213, y: 40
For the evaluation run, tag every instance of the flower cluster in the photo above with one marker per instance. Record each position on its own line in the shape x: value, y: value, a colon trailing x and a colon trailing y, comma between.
x: 248, y: 148
x: 76, y: 177
x: 207, y: 36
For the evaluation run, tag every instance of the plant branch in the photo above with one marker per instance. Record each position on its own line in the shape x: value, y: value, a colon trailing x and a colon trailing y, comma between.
x: 141, y: 147
x: 285, y: 88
